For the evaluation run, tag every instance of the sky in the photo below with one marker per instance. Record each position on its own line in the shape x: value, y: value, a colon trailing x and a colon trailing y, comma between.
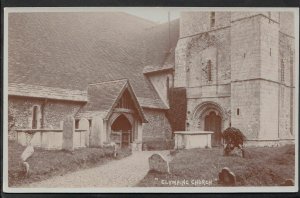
x: 158, y: 15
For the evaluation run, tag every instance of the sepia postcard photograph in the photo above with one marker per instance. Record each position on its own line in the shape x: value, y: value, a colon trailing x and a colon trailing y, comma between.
x: 150, y: 99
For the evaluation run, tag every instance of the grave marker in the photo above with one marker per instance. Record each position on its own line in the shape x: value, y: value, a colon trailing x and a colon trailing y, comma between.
x: 68, y: 133
x: 227, y: 177
x: 158, y: 163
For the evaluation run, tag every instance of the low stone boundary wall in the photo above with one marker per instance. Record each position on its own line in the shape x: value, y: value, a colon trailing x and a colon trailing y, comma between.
x: 51, y: 139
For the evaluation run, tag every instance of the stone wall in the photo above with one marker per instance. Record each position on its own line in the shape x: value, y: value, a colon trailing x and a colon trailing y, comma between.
x: 274, y: 16
x: 54, y: 111
x: 286, y: 111
x: 245, y: 49
x: 157, y: 132
x: 192, y: 23
x: 287, y: 23
x: 158, y: 126
x: 203, y: 44
x: 245, y: 98
x: 268, y: 111
x: 269, y: 48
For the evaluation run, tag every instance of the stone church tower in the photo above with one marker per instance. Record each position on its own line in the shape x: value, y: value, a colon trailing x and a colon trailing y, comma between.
x: 237, y: 69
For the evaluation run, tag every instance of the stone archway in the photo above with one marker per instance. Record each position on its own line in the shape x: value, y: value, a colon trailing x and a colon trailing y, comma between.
x: 122, y: 125
x: 210, y: 116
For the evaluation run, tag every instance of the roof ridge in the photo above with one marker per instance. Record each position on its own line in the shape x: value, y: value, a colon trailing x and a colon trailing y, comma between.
x: 109, y: 81
x: 43, y: 86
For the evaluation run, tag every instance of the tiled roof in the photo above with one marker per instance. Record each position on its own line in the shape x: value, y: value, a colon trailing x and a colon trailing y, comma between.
x: 47, y: 92
x: 71, y: 50
x: 161, y: 49
x: 103, y: 96
x: 152, y: 103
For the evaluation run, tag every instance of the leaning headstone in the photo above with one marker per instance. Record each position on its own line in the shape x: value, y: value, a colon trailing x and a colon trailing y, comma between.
x: 288, y: 182
x: 27, y: 153
x: 158, y: 164
x: 227, y: 177
x: 84, y: 125
x: 68, y: 133
x: 24, y: 156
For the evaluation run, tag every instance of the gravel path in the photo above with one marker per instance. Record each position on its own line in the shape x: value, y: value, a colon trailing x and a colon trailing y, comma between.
x: 118, y: 173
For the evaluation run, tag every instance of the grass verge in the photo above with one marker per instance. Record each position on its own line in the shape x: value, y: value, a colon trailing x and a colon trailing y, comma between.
x: 261, y: 166
x: 47, y: 163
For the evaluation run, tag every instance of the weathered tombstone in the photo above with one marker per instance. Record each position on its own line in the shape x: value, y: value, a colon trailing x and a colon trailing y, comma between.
x: 68, y: 133
x: 227, y: 177
x: 158, y: 163
x: 97, y: 128
x: 288, y: 182
x: 24, y: 156
x: 27, y: 153
x: 84, y: 125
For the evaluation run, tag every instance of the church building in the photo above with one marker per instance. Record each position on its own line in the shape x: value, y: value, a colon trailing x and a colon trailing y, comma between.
x: 205, y: 71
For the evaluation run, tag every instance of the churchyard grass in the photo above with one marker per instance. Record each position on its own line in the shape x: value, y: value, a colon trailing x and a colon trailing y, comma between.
x: 262, y: 166
x: 47, y: 163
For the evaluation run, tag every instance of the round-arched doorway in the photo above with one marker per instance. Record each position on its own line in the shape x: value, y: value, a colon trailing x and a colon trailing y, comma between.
x: 212, y: 122
x: 122, y: 124
x: 210, y: 116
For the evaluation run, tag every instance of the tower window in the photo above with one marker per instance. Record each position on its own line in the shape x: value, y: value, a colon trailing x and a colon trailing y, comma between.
x: 238, y: 111
x: 270, y: 51
x: 212, y: 19
x: 282, y: 71
x: 209, y: 70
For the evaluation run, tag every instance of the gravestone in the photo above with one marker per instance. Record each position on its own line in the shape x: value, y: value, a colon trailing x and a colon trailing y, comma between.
x: 227, y: 177
x: 84, y: 125
x: 96, y: 130
x: 158, y: 164
x: 24, y: 156
x: 27, y: 153
x: 68, y: 133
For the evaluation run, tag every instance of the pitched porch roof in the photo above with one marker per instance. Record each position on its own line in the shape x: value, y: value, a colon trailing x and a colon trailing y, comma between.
x: 103, y: 98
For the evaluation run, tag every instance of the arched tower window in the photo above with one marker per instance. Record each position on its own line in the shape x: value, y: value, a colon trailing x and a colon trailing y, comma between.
x: 212, y: 19
x: 209, y: 70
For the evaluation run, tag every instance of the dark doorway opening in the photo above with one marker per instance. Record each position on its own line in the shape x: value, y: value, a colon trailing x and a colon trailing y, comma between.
x: 213, y: 123
x: 122, y: 124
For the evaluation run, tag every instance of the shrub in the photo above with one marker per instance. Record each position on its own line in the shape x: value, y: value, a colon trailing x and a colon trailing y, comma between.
x: 233, y: 138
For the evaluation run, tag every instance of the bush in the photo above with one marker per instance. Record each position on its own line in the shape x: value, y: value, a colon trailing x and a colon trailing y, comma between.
x: 233, y: 138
